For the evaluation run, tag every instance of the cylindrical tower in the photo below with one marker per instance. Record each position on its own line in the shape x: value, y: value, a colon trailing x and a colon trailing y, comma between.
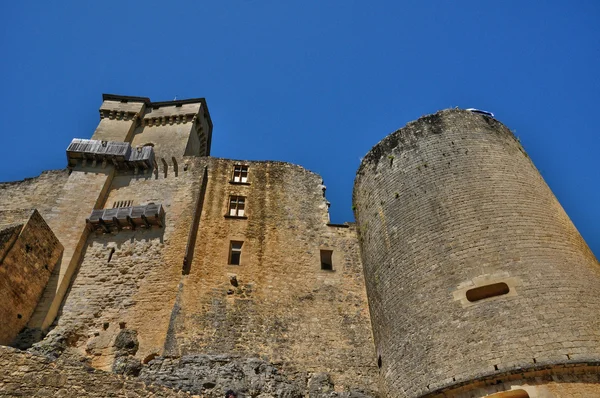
x: 477, y: 279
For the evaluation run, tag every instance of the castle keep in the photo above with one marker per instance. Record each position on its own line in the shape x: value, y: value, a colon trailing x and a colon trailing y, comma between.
x: 159, y: 270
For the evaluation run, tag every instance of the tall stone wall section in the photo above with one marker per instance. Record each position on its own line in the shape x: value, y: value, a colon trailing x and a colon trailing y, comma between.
x: 278, y: 302
x: 284, y: 308
x: 449, y: 203
x: 29, y: 251
x: 129, y: 279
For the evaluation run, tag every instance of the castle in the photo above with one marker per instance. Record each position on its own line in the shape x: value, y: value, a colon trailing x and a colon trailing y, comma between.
x: 150, y: 268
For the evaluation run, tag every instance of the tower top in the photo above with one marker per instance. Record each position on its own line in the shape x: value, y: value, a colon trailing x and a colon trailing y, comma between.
x: 174, y: 128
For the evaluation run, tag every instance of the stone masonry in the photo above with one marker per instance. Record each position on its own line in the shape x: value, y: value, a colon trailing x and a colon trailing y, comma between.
x: 171, y: 290
x: 29, y: 252
x: 451, y: 203
x: 463, y: 276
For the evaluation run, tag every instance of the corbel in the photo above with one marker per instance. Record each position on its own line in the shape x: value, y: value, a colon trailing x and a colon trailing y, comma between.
x: 117, y: 224
x: 131, y: 223
x: 104, y: 226
x: 165, y: 166
x: 175, y: 168
x: 146, y: 221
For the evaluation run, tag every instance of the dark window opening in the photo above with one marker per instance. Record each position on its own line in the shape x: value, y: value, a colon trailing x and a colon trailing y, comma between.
x: 326, y: 262
x: 240, y: 173
x: 237, y: 206
x: 487, y: 291
x: 510, y: 394
x: 110, y: 254
x: 379, y: 361
x: 235, y: 252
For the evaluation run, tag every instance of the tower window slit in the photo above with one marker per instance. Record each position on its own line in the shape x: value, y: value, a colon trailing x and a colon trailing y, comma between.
x: 487, y: 291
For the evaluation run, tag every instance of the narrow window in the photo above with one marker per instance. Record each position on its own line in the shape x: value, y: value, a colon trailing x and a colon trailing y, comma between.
x: 240, y: 173
x: 510, y: 394
x: 237, y: 205
x: 326, y: 263
x: 110, y: 254
x: 483, y: 292
x: 235, y: 252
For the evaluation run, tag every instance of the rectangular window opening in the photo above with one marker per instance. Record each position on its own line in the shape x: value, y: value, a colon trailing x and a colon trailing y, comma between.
x: 487, y: 291
x: 326, y: 261
x: 240, y: 173
x: 237, y: 206
x: 235, y: 252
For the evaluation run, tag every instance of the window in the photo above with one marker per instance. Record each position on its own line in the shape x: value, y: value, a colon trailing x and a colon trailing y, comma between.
x: 236, y: 206
x: 326, y: 263
x: 510, y: 394
x: 240, y: 173
x: 483, y: 292
x: 235, y: 252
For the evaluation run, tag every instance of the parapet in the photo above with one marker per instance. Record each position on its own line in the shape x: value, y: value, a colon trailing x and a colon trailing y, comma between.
x: 175, y: 128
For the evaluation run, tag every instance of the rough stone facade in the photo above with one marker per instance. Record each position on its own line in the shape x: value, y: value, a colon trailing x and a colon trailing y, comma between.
x: 27, y: 375
x: 28, y: 253
x: 203, y: 274
x: 138, y: 295
x: 450, y: 204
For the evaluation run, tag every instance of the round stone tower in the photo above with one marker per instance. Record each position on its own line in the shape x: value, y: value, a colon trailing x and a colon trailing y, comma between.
x: 478, y: 282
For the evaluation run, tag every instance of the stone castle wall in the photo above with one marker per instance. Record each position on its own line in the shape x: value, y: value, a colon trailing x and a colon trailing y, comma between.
x: 450, y: 203
x: 29, y: 250
x: 284, y: 307
x: 448, y: 208
x: 26, y: 375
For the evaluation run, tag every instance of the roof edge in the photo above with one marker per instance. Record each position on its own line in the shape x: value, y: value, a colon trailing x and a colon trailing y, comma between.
x: 146, y: 100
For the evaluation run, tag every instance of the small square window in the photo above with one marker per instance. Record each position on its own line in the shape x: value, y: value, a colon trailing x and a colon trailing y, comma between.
x: 326, y: 262
x: 235, y: 252
x: 237, y: 205
x: 240, y: 173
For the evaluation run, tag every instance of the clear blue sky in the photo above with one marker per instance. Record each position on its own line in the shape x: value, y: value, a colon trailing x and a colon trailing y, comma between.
x: 316, y: 83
